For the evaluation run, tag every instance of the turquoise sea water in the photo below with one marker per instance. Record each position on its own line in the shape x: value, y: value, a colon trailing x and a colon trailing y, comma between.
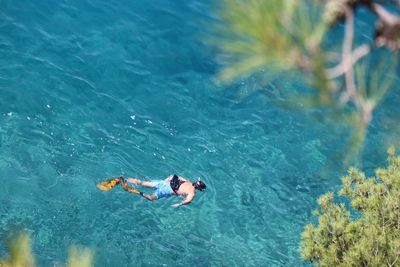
x: 95, y: 89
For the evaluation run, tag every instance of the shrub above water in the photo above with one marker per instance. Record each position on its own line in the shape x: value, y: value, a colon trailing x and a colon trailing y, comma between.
x: 366, y: 235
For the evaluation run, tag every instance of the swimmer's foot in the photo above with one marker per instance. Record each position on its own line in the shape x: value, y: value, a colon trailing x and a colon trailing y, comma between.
x: 107, y: 185
x: 122, y: 180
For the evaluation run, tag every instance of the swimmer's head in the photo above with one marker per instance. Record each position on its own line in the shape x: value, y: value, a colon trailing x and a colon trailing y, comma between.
x: 199, y: 185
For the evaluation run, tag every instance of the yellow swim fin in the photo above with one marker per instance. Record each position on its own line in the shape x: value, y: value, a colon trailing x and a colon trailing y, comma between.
x: 107, y: 185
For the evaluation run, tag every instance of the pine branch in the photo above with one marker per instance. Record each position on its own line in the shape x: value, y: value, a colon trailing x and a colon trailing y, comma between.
x: 356, y: 55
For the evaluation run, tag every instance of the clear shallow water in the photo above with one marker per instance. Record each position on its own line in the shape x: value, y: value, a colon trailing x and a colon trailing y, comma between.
x: 92, y: 89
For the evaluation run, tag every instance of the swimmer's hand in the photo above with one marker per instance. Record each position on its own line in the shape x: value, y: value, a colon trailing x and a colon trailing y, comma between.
x: 187, y: 200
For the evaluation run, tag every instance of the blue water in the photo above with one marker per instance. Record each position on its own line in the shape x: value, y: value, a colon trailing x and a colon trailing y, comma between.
x: 94, y: 89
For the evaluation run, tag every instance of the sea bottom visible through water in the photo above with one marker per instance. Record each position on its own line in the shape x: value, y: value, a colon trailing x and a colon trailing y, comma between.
x: 91, y: 90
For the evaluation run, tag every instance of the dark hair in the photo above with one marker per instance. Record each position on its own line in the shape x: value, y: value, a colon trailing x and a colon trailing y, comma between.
x: 200, y: 185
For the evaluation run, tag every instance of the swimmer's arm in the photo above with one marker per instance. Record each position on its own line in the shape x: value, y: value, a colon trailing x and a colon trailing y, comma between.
x: 187, y: 200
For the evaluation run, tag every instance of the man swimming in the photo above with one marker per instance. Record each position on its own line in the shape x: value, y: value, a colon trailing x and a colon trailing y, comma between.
x: 172, y: 185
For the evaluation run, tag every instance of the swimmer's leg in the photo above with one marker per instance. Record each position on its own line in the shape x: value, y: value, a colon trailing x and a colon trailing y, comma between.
x: 141, y: 182
x: 148, y: 197
x: 137, y: 192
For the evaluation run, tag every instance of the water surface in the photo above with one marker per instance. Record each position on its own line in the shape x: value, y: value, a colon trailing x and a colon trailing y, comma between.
x: 95, y: 89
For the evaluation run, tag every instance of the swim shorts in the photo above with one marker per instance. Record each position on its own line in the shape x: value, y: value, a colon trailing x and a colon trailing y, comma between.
x: 163, y: 189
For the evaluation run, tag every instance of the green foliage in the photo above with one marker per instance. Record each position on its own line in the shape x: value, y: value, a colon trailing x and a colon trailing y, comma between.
x: 372, y: 79
x: 335, y: 10
x: 259, y: 34
x: 367, y: 235
x: 20, y: 254
x: 79, y: 257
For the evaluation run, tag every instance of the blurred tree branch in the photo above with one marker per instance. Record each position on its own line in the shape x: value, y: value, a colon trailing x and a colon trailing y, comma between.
x: 357, y: 54
x: 20, y: 254
x: 283, y: 36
